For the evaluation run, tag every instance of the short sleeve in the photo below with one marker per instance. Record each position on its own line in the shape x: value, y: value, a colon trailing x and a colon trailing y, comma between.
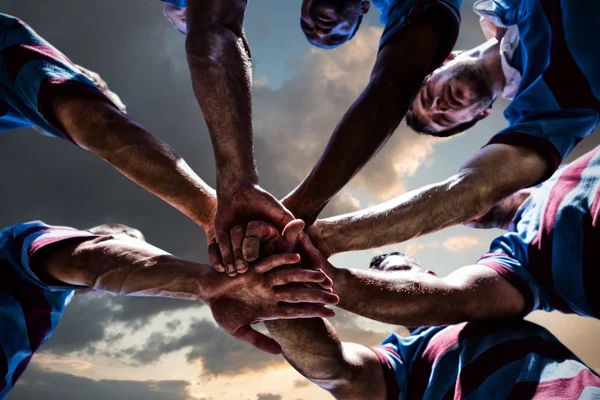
x: 513, y: 270
x: 31, y: 73
x: 20, y: 243
x: 553, y: 134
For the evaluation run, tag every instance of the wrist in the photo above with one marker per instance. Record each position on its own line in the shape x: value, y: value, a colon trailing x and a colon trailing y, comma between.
x: 322, y: 237
x: 301, y: 206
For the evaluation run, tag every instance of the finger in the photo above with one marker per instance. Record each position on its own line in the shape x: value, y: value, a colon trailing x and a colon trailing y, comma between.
x: 285, y: 276
x: 226, y: 253
x: 214, y: 256
x: 237, y: 238
x: 267, y: 264
x: 257, y: 339
x: 295, y: 294
x: 289, y: 236
x: 257, y: 232
x: 302, y: 310
x: 310, y: 254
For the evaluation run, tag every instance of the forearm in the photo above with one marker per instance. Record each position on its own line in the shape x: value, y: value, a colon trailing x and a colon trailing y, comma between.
x: 398, y: 298
x: 416, y: 213
x: 412, y: 298
x: 313, y: 348
x: 125, y: 267
x: 221, y: 73
x: 145, y: 159
x: 360, y: 134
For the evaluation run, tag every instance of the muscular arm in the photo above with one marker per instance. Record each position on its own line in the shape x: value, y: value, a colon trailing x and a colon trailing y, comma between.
x: 221, y: 71
x: 96, y: 125
x: 347, y: 370
x: 416, y: 298
x: 496, y: 172
x: 400, y: 68
x: 122, y: 266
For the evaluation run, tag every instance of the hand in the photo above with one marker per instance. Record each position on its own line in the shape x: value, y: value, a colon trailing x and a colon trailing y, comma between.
x: 237, y: 206
x: 265, y: 293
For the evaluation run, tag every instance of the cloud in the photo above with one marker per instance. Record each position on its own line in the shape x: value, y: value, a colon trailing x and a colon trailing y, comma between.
x: 218, y: 353
x: 300, y: 383
x: 38, y: 383
x: 457, y: 244
x: 87, y: 321
x: 268, y: 396
x: 295, y: 121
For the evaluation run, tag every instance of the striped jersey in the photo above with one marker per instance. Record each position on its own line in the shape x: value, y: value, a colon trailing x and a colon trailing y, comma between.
x: 31, y: 70
x: 29, y: 308
x: 550, y: 252
x: 558, y: 100
x: 489, y: 360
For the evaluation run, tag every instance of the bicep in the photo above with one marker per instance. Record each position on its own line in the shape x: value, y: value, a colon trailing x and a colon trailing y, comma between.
x: 482, y: 293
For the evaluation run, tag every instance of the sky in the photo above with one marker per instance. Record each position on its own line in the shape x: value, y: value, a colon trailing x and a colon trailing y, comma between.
x: 157, y: 349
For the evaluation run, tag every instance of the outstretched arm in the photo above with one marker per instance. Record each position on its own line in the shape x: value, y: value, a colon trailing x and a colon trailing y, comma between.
x: 347, y: 370
x: 131, y: 267
x: 412, y: 298
x: 399, y: 70
x: 497, y: 171
x: 221, y: 70
x: 95, y: 124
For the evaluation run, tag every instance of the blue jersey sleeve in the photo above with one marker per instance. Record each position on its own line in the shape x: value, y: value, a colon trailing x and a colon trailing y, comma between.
x: 31, y: 72
x: 552, y: 134
x: 19, y: 243
x: 506, y: 259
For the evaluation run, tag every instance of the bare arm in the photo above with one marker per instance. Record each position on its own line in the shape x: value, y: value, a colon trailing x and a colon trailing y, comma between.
x: 132, y: 267
x: 221, y: 70
x: 496, y: 172
x: 399, y: 70
x: 96, y: 125
x: 415, y: 298
x: 348, y: 371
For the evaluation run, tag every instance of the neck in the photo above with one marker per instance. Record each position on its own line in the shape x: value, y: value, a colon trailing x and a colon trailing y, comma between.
x: 488, y: 56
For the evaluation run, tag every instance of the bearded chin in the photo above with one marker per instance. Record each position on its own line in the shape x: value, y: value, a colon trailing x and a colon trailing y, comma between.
x: 480, y: 86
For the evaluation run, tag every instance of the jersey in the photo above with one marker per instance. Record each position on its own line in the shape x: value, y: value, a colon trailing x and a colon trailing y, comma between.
x: 558, y: 101
x: 396, y: 14
x: 31, y: 69
x: 549, y: 254
x: 484, y: 360
x: 29, y: 308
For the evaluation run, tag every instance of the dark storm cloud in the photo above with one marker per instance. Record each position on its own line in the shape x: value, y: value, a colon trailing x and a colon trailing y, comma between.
x: 37, y: 383
x: 86, y: 320
x: 222, y: 355
x: 219, y: 353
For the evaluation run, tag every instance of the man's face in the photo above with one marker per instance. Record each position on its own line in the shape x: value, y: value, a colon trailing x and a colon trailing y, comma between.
x: 329, y: 23
x: 453, y: 94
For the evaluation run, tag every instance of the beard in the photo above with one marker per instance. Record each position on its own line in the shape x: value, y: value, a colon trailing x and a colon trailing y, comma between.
x: 476, y: 80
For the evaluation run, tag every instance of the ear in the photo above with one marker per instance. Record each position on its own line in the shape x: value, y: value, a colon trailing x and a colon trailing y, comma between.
x: 484, y: 113
x: 366, y: 5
